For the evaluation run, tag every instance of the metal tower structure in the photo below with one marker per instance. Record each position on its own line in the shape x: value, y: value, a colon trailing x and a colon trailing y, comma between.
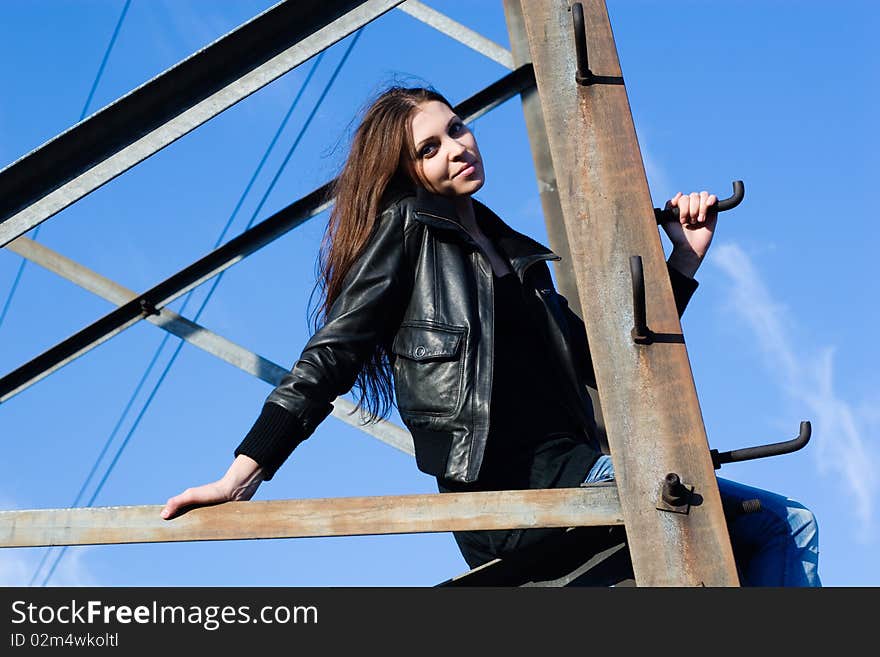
x: 564, y: 67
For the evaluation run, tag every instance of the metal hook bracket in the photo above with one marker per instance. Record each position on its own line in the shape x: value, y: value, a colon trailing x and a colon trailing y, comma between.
x: 583, y: 75
x: 773, y: 449
x: 739, y: 191
x: 641, y: 334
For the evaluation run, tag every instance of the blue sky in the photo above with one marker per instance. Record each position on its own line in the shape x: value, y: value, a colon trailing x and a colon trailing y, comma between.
x: 780, y: 94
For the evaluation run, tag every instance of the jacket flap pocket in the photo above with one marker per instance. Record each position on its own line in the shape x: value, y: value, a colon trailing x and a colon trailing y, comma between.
x: 427, y: 342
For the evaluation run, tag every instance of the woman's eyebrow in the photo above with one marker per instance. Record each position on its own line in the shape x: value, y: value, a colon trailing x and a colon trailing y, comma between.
x: 448, y: 123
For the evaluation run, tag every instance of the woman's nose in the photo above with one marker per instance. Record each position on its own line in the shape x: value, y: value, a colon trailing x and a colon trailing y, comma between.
x: 456, y: 149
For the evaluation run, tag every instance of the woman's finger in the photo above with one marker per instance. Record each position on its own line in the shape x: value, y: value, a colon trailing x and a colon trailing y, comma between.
x: 704, y: 202
x: 175, y: 503
x: 206, y: 494
x: 694, y: 210
x: 674, y: 202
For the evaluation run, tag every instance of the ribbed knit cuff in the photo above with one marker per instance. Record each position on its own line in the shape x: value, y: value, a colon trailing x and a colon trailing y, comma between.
x: 275, y: 434
x: 683, y: 288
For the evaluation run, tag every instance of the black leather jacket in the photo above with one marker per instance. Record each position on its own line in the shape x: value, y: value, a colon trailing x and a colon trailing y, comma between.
x: 425, y: 288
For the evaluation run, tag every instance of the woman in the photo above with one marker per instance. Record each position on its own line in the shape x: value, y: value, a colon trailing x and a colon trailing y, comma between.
x: 430, y: 297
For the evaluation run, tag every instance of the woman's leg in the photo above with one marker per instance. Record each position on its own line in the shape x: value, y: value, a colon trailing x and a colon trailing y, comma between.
x: 602, y: 470
x: 777, y: 546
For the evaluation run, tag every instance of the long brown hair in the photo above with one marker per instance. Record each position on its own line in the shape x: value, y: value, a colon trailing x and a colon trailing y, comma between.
x: 380, y: 166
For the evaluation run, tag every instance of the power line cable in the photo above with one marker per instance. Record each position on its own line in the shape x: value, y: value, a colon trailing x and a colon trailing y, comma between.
x: 82, y: 115
x: 210, y: 293
x: 104, y: 60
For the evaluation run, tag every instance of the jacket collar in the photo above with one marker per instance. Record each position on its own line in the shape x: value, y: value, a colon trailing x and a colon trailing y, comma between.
x: 520, y: 250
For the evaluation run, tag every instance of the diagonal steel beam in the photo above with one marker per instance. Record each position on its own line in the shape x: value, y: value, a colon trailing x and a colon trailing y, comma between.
x: 222, y: 258
x: 199, y: 336
x: 340, y: 516
x: 134, y: 127
x: 462, y: 34
x: 652, y: 414
x: 547, y: 187
x: 164, y: 293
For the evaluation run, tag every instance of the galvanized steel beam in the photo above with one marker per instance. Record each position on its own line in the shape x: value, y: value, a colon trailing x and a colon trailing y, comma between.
x: 199, y: 336
x: 652, y: 414
x: 339, y: 516
x: 222, y: 258
x: 134, y: 127
x: 462, y: 34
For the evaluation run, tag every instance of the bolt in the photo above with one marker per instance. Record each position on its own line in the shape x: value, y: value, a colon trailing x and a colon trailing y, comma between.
x: 674, y: 493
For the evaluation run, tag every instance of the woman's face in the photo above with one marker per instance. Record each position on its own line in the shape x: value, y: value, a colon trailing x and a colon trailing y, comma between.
x: 448, y: 160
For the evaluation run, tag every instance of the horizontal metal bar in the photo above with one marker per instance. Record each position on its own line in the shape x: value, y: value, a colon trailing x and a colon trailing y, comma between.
x: 162, y: 110
x: 199, y: 336
x: 218, y: 260
x: 340, y: 516
x: 462, y: 34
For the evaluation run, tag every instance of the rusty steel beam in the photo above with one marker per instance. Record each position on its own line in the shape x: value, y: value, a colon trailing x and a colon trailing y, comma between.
x: 341, y: 516
x: 566, y: 282
x: 650, y: 405
x: 546, y: 175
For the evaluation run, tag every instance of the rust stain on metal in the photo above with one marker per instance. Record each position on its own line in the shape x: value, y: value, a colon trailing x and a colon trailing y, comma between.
x: 649, y: 402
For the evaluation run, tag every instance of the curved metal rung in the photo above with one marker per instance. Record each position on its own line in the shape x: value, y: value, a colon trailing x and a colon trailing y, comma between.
x: 739, y: 192
x: 774, y: 449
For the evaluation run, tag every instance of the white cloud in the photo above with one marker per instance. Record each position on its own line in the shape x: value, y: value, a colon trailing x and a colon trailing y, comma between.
x: 841, y: 428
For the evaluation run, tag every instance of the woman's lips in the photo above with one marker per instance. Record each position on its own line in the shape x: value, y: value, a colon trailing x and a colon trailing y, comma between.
x: 468, y: 170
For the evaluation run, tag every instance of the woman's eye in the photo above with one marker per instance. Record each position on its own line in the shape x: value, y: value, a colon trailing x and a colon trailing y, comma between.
x: 427, y: 150
x: 455, y: 128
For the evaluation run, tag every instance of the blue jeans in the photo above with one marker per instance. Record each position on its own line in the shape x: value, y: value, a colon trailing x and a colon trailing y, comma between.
x: 777, y: 546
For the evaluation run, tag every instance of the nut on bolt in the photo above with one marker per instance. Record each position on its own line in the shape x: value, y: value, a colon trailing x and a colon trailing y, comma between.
x: 675, y: 496
x: 147, y: 308
x: 674, y: 493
